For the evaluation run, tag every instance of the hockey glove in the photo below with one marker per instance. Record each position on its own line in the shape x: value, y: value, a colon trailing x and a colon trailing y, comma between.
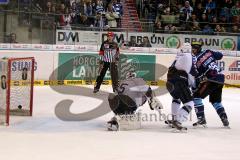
x: 155, y: 104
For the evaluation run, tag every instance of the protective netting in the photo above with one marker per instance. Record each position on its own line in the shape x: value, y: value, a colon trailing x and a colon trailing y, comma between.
x: 20, y: 72
x: 20, y: 90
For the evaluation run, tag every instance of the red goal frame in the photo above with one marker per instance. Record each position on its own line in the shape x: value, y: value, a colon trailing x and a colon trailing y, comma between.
x: 8, y: 101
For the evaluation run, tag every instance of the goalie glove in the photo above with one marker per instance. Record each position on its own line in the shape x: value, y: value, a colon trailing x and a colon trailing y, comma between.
x: 155, y: 104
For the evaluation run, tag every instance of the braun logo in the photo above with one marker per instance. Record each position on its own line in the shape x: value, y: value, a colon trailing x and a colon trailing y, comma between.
x: 68, y: 36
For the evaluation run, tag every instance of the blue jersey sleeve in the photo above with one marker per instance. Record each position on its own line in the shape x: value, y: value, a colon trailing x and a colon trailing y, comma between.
x: 217, y: 55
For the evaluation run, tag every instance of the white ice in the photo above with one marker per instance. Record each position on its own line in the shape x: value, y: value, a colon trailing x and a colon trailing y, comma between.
x: 45, y: 137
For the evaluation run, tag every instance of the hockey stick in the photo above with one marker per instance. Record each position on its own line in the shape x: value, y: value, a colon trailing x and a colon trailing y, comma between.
x: 226, y: 84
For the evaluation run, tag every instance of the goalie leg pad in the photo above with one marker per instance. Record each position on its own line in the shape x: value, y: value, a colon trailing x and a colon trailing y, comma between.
x: 125, y: 122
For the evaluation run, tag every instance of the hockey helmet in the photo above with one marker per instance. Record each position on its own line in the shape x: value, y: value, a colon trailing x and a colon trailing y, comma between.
x: 110, y: 34
x: 130, y: 74
x: 197, y: 45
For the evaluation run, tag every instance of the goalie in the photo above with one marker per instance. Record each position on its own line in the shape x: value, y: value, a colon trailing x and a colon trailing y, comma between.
x: 132, y: 93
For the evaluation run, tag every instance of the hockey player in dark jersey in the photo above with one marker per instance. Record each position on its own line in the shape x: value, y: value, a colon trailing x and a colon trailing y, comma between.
x: 178, y: 81
x: 209, y: 82
x: 108, y: 59
x: 132, y: 93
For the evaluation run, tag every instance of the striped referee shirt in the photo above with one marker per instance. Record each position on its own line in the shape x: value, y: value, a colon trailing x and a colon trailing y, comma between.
x: 109, y: 51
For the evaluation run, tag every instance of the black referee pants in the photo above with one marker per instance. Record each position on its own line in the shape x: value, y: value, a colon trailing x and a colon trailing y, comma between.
x: 103, y: 67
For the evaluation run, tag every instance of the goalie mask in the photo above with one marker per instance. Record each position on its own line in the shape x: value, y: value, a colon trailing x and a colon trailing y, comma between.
x: 130, y: 75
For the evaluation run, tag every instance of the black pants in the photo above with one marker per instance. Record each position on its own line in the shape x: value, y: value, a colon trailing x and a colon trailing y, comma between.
x: 214, y: 90
x: 121, y: 104
x: 177, y: 85
x: 103, y: 67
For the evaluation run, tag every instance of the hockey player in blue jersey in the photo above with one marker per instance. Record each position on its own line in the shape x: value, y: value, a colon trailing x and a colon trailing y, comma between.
x: 178, y: 81
x: 209, y: 82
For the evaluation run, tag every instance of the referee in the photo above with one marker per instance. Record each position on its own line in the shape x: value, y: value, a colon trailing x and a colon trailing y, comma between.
x: 109, y: 56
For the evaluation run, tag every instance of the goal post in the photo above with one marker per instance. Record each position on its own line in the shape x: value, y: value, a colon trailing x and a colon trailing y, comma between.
x: 16, y: 89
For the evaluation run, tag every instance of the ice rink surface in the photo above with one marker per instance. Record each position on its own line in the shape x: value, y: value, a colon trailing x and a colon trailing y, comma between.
x: 45, y: 137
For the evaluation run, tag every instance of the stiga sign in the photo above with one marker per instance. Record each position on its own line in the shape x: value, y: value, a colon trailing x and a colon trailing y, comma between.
x: 84, y: 66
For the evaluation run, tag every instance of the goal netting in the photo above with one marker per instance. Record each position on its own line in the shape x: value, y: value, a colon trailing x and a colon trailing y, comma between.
x: 16, y: 89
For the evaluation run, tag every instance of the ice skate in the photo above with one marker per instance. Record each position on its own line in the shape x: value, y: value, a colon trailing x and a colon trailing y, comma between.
x: 95, y: 90
x: 112, y: 125
x: 178, y: 126
x: 169, y: 123
x: 200, y: 122
x: 225, y: 122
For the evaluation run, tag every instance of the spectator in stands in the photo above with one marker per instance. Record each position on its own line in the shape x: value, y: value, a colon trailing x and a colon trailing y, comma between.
x: 182, y: 21
x: 88, y: 11
x: 193, y: 23
x: 225, y: 3
x: 236, y: 20
x: 158, y: 25
x: 192, y: 20
x: 118, y: 8
x: 61, y: 17
x: 88, y: 8
x: 111, y: 17
x: 106, y: 3
x: 100, y: 15
x: 174, y: 6
x: 214, y: 22
x: 210, y: 5
x: 67, y: 3
x: 145, y: 42
x: 48, y: 8
x: 75, y: 13
x: 81, y: 7
x: 203, y: 2
x: 235, y: 29
x: 67, y: 20
x: 225, y: 12
x: 146, y: 8
x: 219, y: 28
x: 199, y: 10
x: 99, y: 7
x: 203, y: 21
x: 207, y: 29
x: 187, y: 10
x: 235, y: 12
x: 160, y: 9
x: 170, y: 28
x: 224, y: 22
x: 133, y: 42
x: 13, y: 38
x: 195, y: 26
x: 167, y: 11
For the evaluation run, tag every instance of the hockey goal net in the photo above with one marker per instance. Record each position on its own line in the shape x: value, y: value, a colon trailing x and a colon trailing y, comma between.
x: 16, y: 87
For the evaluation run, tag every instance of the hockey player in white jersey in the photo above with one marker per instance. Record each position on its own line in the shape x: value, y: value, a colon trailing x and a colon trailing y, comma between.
x: 179, y: 78
x: 132, y: 93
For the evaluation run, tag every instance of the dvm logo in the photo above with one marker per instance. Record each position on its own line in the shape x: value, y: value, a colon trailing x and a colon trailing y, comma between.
x: 68, y: 37
x: 235, y: 66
